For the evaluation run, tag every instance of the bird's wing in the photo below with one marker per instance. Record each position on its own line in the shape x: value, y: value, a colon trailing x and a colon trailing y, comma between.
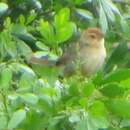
x: 68, y: 56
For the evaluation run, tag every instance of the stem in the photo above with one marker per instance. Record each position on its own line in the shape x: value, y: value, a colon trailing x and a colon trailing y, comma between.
x: 5, y: 105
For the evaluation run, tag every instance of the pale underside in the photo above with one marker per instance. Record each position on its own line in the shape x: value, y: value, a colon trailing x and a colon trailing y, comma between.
x: 87, y: 60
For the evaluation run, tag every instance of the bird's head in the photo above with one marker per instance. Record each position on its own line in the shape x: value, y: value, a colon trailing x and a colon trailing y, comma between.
x: 92, y: 37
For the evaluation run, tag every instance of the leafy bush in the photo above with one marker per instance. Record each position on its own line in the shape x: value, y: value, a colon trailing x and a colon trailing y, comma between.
x: 32, y: 97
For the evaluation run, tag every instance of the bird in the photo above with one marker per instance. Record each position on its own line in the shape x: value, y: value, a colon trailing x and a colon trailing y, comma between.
x: 87, y: 54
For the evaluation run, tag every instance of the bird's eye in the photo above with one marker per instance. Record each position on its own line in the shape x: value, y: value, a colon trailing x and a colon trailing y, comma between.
x: 92, y: 36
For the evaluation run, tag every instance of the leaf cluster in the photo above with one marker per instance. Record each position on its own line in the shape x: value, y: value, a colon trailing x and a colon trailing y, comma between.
x: 33, y: 97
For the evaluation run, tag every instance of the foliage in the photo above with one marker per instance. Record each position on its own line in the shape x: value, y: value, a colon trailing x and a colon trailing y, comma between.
x: 32, y: 97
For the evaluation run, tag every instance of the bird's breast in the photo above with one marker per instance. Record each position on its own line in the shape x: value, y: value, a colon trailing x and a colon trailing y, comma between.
x: 91, y: 59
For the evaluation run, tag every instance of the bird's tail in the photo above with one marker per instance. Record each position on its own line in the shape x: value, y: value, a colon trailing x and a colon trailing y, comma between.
x: 44, y: 60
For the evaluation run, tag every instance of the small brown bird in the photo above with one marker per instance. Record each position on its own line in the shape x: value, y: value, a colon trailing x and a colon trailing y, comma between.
x: 87, y: 54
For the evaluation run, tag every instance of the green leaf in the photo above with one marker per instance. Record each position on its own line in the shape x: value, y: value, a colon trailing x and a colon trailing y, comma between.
x: 24, y: 49
x: 23, y: 69
x: 5, y: 78
x: 22, y: 19
x: 100, y: 110
x: 31, y: 17
x: 3, y: 8
x: 113, y: 7
x: 108, y: 10
x: 20, y: 31
x: 44, y: 70
x: 42, y: 46
x: 117, y: 56
x: 3, y: 122
x: 112, y: 90
x: 88, y: 89
x: 7, y: 22
x: 82, y: 125
x: 97, y: 117
x: 103, y: 19
x: 74, y: 118
x: 17, y: 118
x: 91, y: 123
x: 125, y: 27
x: 29, y: 98
x: 100, y: 123
x: 49, y: 91
x: 9, y: 45
x: 74, y: 87
x: 35, y: 4
x: 15, y: 101
x: 117, y: 76
x: 125, y: 123
x: 119, y: 107
x: 97, y: 79
x: 125, y: 83
x: 84, y: 13
x: 78, y: 2
x: 62, y: 17
x: 83, y: 102
x: 27, y: 80
x: 64, y: 33
x: 47, y: 31
x: 64, y: 28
